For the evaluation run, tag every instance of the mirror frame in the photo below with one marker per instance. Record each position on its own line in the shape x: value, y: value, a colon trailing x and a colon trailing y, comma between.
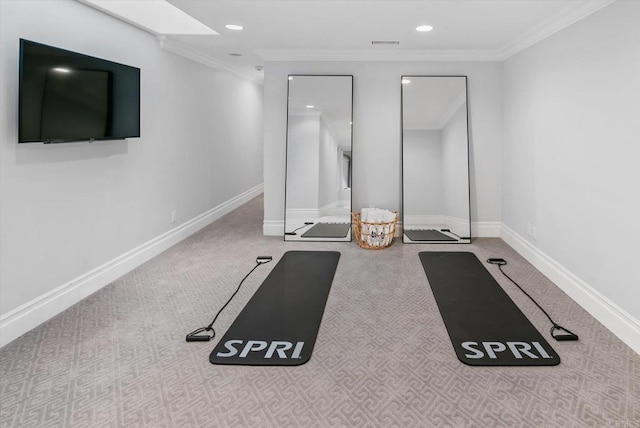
x: 286, y: 166
x: 463, y: 239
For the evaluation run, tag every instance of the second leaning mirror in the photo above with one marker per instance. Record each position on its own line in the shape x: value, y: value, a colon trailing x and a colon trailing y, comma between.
x: 318, y: 165
x: 435, y: 160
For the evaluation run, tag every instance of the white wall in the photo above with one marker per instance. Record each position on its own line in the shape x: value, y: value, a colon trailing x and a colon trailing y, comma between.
x: 376, y: 131
x: 571, y: 151
x: 66, y: 209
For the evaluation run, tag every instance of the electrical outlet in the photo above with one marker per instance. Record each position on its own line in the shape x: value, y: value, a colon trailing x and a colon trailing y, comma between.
x: 529, y: 229
x: 534, y: 232
x: 173, y: 216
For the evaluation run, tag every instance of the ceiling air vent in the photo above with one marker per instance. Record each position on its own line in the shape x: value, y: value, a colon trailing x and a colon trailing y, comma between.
x: 385, y: 42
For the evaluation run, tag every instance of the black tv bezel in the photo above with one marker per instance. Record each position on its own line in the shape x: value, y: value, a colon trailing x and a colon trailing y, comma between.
x: 67, y: 51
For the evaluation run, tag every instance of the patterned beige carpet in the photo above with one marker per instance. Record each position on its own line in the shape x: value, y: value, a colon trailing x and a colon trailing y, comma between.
x: 382, y: 356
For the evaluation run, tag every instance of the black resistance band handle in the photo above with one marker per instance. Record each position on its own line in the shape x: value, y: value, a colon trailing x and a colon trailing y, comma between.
x: 563, y: 337
x: 197, y: 336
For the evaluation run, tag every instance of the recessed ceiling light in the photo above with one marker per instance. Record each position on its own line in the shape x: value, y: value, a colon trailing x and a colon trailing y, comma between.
x: 309, y: 106
x: 235, y: 54
x: 405, y: 81
x: 424, y: 28
x: 233, y: 27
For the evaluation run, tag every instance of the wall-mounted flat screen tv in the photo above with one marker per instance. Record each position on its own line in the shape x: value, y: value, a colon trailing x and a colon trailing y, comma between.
x: 67, y: 96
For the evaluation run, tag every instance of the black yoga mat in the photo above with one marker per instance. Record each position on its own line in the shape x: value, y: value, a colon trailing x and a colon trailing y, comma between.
x: 428, y: 235
x: 328, y: 230
x: 279, y: 324
x: 485, y: 326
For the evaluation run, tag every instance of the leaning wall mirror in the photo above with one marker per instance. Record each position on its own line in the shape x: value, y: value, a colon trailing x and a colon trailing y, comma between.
x: 318, y: 165
x: 435, y: 160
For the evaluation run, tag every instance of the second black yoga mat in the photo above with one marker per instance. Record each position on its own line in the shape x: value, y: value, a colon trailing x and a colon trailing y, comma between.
x: 428, y: 235
x: 328, y: 230
x: 279, y: 324
x: 485, y: 326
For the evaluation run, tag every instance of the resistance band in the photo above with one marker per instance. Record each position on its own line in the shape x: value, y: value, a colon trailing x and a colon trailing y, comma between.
x: 557, y: 331
x: 205, y: 334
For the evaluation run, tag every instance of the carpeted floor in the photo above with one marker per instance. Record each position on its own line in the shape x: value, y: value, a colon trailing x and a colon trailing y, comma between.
x: 382, y: 356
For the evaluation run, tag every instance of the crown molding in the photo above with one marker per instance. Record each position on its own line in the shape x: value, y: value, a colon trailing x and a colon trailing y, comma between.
x: 172, y: 45
x: 573, y: 13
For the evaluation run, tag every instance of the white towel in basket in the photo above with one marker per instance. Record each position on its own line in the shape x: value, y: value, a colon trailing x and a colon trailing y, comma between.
x: 376, y: 215
x: 375, y: 234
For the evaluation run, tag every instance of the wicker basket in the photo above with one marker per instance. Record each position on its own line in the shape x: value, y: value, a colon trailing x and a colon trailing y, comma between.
x: 373, y: 236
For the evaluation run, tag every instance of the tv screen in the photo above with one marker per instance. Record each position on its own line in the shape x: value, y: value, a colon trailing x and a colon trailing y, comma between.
x: 67, y: 96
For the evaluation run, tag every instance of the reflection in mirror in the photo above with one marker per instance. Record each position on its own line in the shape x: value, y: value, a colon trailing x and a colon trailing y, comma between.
x: 435, y: 160
x: 318, y: 167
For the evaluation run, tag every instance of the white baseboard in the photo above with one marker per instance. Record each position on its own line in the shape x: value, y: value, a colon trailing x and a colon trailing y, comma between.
x: 273, y: 227
x: 613, y: 317
x: 486, y: 229
x: 33, y: 313
x: 304, y: 213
